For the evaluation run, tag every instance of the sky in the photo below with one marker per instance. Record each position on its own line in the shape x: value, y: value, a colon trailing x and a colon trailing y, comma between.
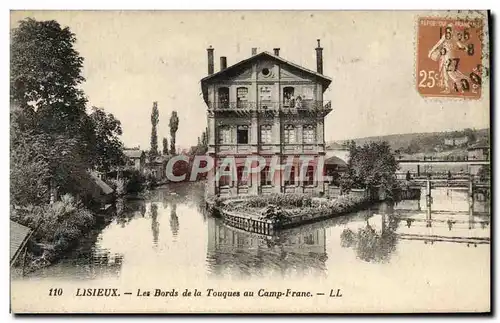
x: 133, y: 58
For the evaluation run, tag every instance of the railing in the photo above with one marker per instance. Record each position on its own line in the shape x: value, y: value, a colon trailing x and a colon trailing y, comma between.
x: 443, y: 159
x: 270, y: 106
x: 248, y: 222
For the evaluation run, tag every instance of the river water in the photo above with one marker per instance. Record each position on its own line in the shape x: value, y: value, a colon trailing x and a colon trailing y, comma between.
x: 389, y: 257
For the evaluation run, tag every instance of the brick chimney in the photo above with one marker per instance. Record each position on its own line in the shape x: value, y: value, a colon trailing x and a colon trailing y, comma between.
x: 276, y: 51
x: 210, y: 54
x: 223, y: 63
x: 254, y: 51
x: 319, y: 58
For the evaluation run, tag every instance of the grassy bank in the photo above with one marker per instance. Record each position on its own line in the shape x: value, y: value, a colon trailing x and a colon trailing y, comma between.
x: 57, y: 229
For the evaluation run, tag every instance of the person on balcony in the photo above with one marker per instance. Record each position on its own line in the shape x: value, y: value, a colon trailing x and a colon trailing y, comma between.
x: 291, y: 101
x: 298, y: 103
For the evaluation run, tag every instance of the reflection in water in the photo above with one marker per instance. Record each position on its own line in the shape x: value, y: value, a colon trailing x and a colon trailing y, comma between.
x: 155, y: 226
x: 370, y: 245
x: 174, y: 220
x: 203, y: 246
x: 238, y: 253
x: 127, y: 210
x: 451, y: 216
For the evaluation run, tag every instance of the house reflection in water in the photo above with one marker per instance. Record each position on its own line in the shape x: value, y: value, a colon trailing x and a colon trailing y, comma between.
x: 291, y: 252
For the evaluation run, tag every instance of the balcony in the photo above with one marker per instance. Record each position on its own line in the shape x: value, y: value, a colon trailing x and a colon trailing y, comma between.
x: 244, y: 107
x: 268, y: 149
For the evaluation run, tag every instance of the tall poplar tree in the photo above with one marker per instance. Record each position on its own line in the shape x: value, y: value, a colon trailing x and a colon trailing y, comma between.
x: 153, y: 152
x: 174, y: 126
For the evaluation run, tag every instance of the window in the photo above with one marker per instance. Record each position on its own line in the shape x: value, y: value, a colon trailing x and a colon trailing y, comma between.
x: 241, y: 97
x: 225, y: 180
x: 309, y: 178
x: 289, y: 134
x: 266, y: 71
x: 223, y: 97
x: 265, y: 134
x: 242, y: 135
x: 288, y: 98
x: 244, y: 179
x: 265, y: 93
x: 265, y: 176
x: 291, y: 178
x: 309, y: 134
x: 224, y: 135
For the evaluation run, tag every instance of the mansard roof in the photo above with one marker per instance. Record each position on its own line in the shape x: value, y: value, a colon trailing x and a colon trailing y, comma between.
x: 231, y: 70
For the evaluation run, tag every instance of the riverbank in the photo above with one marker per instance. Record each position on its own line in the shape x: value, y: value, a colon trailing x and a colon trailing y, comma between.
x: 57, y: 229
x: 268, y: 213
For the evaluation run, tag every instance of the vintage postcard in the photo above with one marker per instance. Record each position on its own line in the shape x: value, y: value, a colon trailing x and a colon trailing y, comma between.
x: 250, y: 162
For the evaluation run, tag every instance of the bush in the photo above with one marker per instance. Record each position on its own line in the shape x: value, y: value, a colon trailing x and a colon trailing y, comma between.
x: 135, y: 182
x: 282, y: 200
x: 119, y: 186
x: 340, y: 205
x: 65, y: 219
x: 292, y: 205
x: 151, y: 181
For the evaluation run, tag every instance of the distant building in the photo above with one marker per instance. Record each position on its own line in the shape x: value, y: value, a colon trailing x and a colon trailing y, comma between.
x: 336, y: 159
x: 136, y: 159
x: 266, y: 106
x: 101, y: 192
x: 157, y: 167
x: 479, y: 151
x: 337, y: 150
x: 456, y: 141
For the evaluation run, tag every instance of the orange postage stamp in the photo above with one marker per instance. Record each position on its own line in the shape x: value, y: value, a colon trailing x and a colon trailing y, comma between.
x: 449, y: 57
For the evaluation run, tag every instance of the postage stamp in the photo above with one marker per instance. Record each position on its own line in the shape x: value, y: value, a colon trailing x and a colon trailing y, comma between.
x: 449, y: 57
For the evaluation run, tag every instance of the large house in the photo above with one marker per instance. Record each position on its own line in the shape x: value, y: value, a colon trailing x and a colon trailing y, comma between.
x: 270, y: 107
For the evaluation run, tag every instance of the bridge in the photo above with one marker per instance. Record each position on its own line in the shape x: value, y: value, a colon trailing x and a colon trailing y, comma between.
x: 459, y: 169
x: 443, y: 162
x: 464, y: 182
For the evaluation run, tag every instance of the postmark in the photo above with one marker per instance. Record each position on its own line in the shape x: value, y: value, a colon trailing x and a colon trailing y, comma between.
x: 449, y: 57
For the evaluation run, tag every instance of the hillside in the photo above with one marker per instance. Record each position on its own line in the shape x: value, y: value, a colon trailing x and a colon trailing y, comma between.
x: 425, y: 142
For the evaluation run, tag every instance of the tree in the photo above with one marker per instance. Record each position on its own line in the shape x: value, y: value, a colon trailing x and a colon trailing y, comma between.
x: 108, y: 149
x: 51, y: 136
x: 174, y: 126
x: 43, y: 164
x: 45, y: 75
x: 154, y: 136
x: 371, y: 165
x: 204, y: 138
x: 165, y: 146
x: 484, y: 173
x: 470, y: 134
x: 53, y: 141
